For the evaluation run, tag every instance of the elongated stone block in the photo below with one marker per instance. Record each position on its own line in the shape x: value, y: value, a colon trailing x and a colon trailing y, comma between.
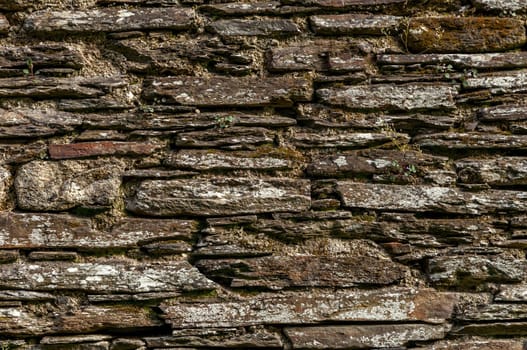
x: 500, y: 171
x: 220, y: 196
x: 391, y: 97
x: 354, y: 24
x: 430, y: 199
x: 393, y: 304
x: 348, y: 4
x: 100, y: 148
x: 471, y: 141
x: 261, y: 27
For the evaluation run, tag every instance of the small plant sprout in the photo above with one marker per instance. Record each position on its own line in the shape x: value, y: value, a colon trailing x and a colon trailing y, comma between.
x: 29, y: 70
x: 225, y: 121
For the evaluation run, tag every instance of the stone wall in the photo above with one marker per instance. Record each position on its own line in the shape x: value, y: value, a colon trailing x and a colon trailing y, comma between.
x: 293, y: 174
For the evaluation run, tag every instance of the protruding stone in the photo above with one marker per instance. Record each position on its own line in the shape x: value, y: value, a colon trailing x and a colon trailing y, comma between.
x: 503, y: 113
x: 345, y: 140
x: 499, y: 83
x: 109, y: 276
x: 512, y: 293
x: 362, y: 337
x: 220, y: 196
x: 354, y: 24
x: 464, y: 34
x: 471, y: 141
x: 226, y: 91
x: 391, y: 97
x: 112, y: 19
x: 261, y: 27
x: 100, y: 148
x: 430, y: 199
x: 397, y: 304
x: 506, y: 6
x: 278, y: 272
x: 500, y: 171
x: 44, y: 185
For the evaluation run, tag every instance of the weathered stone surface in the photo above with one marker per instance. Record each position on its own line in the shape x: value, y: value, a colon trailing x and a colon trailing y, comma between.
x: 4, y: 24
x: 471, y: 270
x: 127, y: 344
x: 5, y: 185
x: 206, y: 160
x: 233, y: 138
x: 23, y: 322
x: 30, y: 123
x: 471, y: 141
x: 16, y: 153
x: 254, y: 8
x: 512, y: 293
x: 100, y: 148
x: 507, y: 6
x: 493, y: 312
x: 24, y: 295
x: 463, y: 34
x: 108, y: 20
x: 501, y: 171
x: 354, y: 24
x: 397, y: 304
x: 19, y: 230
x: 220, y: 196
x: 53, y: 255
x: 344, y: 140
x: 507, y: 329
x: 225, y: 91
x: 348, y: 4
x: 391, y: 97
x: 105, y: 276
x: 457, y: 61
x: 503, y: 113
x: 8, y: 256
x: 476, y: 344
x: 248, y: 27
x: 429, y: 199
x: 325, y: 56
x: 67, y: 184
x: 278, y: 272
x: 53, y: 340
x: 253, y: 337
x: 499, y: 83
x: 37, y: 87
x: 362, y: 337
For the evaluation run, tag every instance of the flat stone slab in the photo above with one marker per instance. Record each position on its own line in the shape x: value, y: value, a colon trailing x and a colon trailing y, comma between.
x: 261, y: 27
x: 100, y: 148
x: 464, y: 34
x: 499, y: 171
x: 471, y: 141
x: 362, y: 337
x: 503, y: 113
x: 430, y: 199
x: 42, y: 230
x: 499, y: 82
x: 475, y: 344
x: 6, y: 180
x: 277, y: 272
x: 108, y: 20
x: 220, y: 196
x: 352, y: 24
x: 392, y: 304
x: 227, y: 91
x: 54, y: 186
x: 348, y: 4
x: 108, y: 276
x: 507, y: 6
x: 33, y: 123
x: 391, y: 97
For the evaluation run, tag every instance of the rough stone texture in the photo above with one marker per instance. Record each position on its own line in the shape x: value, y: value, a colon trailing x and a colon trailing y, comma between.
x: 509, y: 6
x: 241, y: 27
x: 223, y: 91
x: 67, y: 184
x: 354, y: 24
x: 345, y: 4
x: 101, y: 148
x: 108, y: 20
x: 476, y: 344
x: 361, y: 337
x: 503, y: 171
x: 391, y: 97
x: 463, y: 34
x: 471, y: 141
x: 220, y: 196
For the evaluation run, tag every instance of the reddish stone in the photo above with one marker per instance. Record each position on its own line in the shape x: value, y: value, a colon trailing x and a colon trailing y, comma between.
x: 100, y: 148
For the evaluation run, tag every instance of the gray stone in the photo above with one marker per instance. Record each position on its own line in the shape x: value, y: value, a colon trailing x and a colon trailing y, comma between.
x: 344, y: 139
x: 108, y: 276
x: 220, y: 196
x: 470, y: 141
x: 499, y: 83
x: 392, y: 304
x: 108, y: 20
x: 227, y: 91
x: 362, y: 337
x: 43, y: 185
x: 5, y: 186
x: 505, y: 6
x: 349, y: 4
x: 475, y: 344
x: 512, y: 293
x: 349, y: 24
x: 430, y: 199
x: 233, y: 138
x: 500, y: 171
x: 503, y: 113
x: 29, y: 123
x: 391, y: 97
x: 261, y: 27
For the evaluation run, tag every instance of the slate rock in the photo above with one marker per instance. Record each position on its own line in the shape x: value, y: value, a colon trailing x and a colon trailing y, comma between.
x: 100, y: 148
x: 475, y: 344
x: 247, y: 27
x: 500, y: 171
x: 354, y: 24
x: 45, y: 185
x: 220, y: 196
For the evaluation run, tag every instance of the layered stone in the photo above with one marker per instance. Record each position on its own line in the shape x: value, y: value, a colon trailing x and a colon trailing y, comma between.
x: 501, y: 171
x: 220, y: 196
x: 246, y: 27
x: 32, y: 123
x: 471, y: 141
x: 225, y: 91
x: 350, y: 24
x: 100, y: 148
x: 349, y: 4
x: 463, y: 34
x: 503, y: 113
x: 233, y: 138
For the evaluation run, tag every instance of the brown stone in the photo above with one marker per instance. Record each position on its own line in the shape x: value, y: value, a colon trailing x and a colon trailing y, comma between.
x: 470, y: 141
x: 504, y: 6
x: 4, y: 24
x: 463, y: 34
x: 392, y: 304
x: 349, y: 4
x: 30, y: 123
x: 344, y: 140
x: 8, y: 256
x: 233, y: 138
x: 108, y: 20
x: 475, y: 344
x: 220, y: 196
x: 53, y: 255
x: 503, y: 113
x: 16, y: 153
x: 100, y: 148
x: 362, y: 337
x: 512, y: 293
x: 44, y: 185
x: 278, y: 272
x: 261, y: 27
x: 500, y: 171
x: 354, y: 24
x: 226, y: 91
